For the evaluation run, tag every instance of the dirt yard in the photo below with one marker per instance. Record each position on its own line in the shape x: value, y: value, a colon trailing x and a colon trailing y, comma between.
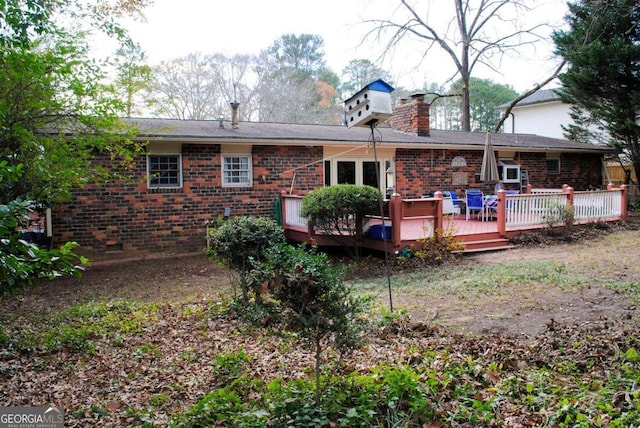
x: 601, y: 254
x: 166, y: 366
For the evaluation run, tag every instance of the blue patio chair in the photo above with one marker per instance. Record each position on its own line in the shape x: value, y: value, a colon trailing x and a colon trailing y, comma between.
x: 455, y: 200
x: 475, y: 202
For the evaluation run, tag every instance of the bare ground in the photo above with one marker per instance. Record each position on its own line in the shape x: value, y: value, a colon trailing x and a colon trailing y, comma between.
x: 167, y: 366
x: 602, y: 253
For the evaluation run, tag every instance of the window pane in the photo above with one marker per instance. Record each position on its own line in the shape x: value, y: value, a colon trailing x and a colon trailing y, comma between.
x: 236, y: 170
x: 369, y: 174
x: 346, y: 173
x: 164, y: 171
x: 553, y: 166
x: 327, y: 173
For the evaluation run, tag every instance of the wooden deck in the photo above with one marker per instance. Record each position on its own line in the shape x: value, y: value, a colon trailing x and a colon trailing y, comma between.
x: 409, y: 221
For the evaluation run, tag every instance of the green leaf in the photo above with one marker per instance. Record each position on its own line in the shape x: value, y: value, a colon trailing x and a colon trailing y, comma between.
x: 631, y: 355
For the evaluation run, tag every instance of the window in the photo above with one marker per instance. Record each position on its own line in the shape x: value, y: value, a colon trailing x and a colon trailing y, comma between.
x: 236, y: 171
x: 360, y: 172
x: 553, y: 166
x: 164, y: 171
x: 509, y: 171
x: 327, y: 173
x: 346, y: 172
x: 370, y: 172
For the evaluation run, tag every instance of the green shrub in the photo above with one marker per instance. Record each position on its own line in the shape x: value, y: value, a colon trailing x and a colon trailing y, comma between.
x: 315, y: 301
x: 21, y: 262
x: 442, y: 247
x: 338, y: 212
x: 223, y: 408
x: 559, y: 214
x: 239, y: 242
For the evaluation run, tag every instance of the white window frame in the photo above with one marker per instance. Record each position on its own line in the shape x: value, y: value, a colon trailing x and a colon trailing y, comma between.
x: 248, y: 182
x: 509, y: 164
x: 359, y: 163
x: 150, y: 177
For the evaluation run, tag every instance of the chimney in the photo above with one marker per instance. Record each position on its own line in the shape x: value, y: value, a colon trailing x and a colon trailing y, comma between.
x: 234, y: 114
x: 412, y: 116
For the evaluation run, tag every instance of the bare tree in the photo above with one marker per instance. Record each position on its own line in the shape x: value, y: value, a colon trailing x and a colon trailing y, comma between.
x: 235, y: 81
x: 479, y: 31
x: 183, y: 88
x: 533, y: 90
x: 201, y: 87
x: 294, y: 85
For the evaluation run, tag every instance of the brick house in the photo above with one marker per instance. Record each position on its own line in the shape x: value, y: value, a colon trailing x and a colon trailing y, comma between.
x: 197, y: 171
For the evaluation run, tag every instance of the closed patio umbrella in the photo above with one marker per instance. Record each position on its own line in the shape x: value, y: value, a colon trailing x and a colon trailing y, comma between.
x: 489, y: 170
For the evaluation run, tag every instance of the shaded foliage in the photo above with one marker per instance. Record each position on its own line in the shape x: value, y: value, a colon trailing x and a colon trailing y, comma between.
x: 602, y: 83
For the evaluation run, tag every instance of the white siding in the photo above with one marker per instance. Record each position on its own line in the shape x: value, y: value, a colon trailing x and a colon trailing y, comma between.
x: 545, y: 119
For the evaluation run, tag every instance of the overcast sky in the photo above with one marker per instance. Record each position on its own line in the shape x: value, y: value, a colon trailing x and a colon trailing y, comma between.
x: 174, y: 29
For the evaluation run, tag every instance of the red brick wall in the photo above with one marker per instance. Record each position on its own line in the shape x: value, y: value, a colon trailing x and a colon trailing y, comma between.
x: 412, y: 117
x: 126, y: 219
x: 419, y: 172
x: 581, y: 171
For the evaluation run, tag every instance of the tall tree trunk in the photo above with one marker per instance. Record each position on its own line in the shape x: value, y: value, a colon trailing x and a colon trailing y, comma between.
x: 466, y: 105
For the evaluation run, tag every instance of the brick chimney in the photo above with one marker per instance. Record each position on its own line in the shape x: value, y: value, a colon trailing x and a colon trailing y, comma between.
x: 412, y: 116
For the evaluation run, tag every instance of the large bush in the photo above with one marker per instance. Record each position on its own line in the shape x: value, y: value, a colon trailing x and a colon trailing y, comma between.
x: 239, y: 242
x: 21, y: 262
x: 339, y: 212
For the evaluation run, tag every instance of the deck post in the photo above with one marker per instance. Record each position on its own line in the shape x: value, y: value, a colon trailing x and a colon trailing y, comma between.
x: 502, y: 212
x: 568, y: 190
x: 439, y: 220
x: 395, y: 215
x: 529, y: 189
x: 624, y: 201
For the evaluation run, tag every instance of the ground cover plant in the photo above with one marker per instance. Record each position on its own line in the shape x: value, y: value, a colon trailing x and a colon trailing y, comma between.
x: 542, y: 335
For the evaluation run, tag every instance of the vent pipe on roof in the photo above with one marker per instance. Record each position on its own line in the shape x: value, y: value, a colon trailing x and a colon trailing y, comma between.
x: 234, y: 114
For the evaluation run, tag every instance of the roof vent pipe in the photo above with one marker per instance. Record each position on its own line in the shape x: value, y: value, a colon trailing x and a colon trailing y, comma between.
x: 234, y: 114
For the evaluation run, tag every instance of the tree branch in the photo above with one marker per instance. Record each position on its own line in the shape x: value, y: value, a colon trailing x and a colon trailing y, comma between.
x: 531, y: 91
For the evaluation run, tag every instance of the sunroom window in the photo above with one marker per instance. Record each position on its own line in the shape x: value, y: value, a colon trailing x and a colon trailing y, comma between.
x: 509, y: 171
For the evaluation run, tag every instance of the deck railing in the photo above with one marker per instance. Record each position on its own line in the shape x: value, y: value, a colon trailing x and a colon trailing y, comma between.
x: 548, y: 207
x: 292, y: 209
x: 532, y: 209
x: 596, y: 205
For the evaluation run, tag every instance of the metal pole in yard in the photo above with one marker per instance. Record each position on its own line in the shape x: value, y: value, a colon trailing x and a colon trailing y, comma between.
x: 384, y: 230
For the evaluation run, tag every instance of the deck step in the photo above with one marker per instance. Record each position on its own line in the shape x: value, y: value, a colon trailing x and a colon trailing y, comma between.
x: 486, y: 245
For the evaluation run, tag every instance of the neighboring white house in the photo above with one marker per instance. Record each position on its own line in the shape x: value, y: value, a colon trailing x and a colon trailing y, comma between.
x: 542, y: 113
